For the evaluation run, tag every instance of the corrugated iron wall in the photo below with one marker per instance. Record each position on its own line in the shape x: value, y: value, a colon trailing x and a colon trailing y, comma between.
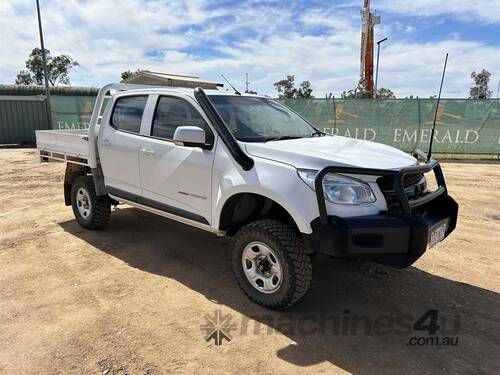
x: 20, y: 116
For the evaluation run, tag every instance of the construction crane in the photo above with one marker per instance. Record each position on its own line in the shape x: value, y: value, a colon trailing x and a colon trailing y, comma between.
x: 368, y: 21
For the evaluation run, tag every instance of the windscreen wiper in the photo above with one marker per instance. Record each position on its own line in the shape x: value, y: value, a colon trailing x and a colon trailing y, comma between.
x: 283, y: 137
x: 319, y: 133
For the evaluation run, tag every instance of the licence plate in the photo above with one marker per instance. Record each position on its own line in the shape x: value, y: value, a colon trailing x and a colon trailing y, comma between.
x: 437, y: 234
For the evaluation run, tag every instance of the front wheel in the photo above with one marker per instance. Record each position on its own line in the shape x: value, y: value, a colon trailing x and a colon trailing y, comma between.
x: 90, y: 210
x: 270, y: 264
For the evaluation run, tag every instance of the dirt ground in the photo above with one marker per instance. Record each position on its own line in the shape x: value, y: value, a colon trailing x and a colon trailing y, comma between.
x: 135, y: 297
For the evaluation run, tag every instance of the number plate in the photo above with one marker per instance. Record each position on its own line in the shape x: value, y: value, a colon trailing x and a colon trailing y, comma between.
x: 437, y: 234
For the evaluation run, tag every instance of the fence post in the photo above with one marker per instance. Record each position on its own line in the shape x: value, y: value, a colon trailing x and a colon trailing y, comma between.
x: 419, y: 127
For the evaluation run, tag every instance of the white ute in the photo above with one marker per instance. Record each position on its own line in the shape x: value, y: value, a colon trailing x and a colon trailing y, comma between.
x: 247, y: 167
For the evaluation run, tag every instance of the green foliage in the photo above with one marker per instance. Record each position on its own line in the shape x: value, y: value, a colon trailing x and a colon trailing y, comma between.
x: 383, y: 93
x: 24, y: 78
x: 57, y: 69
x: 128, y: 74
x: 286, y: 87
x: 480, y: 90
x: 305, y: 90
x: 287, y: 90
x: 360, y: 92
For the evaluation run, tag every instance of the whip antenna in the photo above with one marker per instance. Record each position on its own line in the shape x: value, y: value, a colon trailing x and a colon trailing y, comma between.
x: 235, y: 91
x: 429, y: 154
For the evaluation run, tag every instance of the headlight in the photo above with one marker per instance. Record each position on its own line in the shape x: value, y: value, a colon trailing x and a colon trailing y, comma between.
x: 340, y: 189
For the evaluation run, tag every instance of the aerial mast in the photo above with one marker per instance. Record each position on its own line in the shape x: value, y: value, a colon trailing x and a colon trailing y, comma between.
x: 247, y: 84
x: 368, y: 21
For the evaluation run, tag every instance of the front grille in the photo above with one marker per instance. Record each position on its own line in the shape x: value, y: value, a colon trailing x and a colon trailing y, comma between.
x: 386, y: 183
x: 413, y: 185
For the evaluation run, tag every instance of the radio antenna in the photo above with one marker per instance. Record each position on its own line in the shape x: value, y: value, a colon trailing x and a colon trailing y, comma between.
x: 429, y: 154
x: 229, y: 83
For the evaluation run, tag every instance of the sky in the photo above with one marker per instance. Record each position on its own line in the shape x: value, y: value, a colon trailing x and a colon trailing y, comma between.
x: 314, y: 40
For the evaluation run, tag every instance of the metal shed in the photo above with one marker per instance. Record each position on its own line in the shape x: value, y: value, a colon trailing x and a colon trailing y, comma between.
x: 20, y: 116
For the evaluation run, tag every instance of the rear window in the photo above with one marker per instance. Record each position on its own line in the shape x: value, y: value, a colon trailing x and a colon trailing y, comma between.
x: 127, y: 114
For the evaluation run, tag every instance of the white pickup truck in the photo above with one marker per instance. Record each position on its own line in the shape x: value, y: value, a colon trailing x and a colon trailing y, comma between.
x: 247, y: 167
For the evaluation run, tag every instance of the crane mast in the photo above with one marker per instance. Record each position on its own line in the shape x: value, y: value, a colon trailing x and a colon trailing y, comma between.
x: 368, y: 21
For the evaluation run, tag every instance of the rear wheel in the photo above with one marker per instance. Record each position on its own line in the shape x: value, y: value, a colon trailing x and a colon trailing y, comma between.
x: 270, y: 264
x: 91, y: 211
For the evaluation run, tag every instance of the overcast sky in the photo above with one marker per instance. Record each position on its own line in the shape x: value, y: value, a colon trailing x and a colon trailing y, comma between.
x: 315, y: 40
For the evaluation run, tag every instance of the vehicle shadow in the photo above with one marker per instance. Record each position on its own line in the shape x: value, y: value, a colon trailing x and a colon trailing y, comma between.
x: 322, y: 326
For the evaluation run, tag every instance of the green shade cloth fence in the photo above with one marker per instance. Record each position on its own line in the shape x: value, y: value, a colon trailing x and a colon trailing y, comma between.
x: 71, y: 112
x: 463, y: 126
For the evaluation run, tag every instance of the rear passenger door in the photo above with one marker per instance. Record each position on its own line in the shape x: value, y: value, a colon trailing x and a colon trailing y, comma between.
x: 119, y: 143
x: 176, y: 179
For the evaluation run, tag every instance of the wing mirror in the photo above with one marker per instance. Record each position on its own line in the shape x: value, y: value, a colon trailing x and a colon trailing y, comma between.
x: 190, y: 136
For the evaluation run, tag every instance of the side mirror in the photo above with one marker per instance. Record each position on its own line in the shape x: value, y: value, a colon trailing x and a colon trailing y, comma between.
x: 191, y: 136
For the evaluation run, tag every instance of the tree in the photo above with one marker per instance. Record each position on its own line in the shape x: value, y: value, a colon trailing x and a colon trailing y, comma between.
x: 127, y: 74
x: 57, y: 69
x: 383, y: 93
x: 286, y: 87
x: 480, y: 90
x: 287, y: 90
x: 24, y: 78
x: 305, y: 90
x: 360, y: 92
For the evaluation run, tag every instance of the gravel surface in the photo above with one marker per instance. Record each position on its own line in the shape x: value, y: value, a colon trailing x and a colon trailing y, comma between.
x: 141, y: 296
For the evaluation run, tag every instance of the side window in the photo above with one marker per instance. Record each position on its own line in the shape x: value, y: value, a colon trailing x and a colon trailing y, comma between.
x: 127, y: 114
x: 174, y: 112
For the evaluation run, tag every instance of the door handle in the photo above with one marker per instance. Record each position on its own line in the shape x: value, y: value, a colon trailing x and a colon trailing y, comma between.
x: 147, y: 151
x: 106, y: 142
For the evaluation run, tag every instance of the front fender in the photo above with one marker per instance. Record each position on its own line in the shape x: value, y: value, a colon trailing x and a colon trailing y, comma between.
x: 276, y: 181
x: 294, y: 211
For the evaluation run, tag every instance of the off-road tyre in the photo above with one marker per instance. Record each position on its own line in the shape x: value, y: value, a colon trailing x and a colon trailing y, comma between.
x: 285, y: 242
x: 100, y: 206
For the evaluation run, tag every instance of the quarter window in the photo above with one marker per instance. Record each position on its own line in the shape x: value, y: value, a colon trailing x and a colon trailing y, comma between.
x: 174, y: 112
x: 127, y: 114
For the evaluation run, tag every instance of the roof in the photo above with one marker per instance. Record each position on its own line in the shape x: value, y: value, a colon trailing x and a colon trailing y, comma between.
x: 186, y: 91
x: 146, y: 77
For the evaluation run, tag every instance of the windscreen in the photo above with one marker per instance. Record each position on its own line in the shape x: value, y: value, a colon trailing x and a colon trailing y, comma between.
x: 253, y: 119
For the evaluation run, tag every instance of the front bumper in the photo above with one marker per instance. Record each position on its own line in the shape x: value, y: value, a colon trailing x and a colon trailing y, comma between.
x: 392, y: 238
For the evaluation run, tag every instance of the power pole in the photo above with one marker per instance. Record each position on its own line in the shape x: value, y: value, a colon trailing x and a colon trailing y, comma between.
x: 376, y: 71
x: 368, y: 21
x: 246, y: 82
x: 44, y: 62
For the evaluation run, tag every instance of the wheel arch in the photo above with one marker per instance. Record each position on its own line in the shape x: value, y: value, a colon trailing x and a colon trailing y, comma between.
x: 72, y: 172
x: 242, y: 207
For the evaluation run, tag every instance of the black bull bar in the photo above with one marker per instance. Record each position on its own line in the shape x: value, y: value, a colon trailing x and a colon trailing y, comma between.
x: 397, y: 238
x: 398, y: 180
